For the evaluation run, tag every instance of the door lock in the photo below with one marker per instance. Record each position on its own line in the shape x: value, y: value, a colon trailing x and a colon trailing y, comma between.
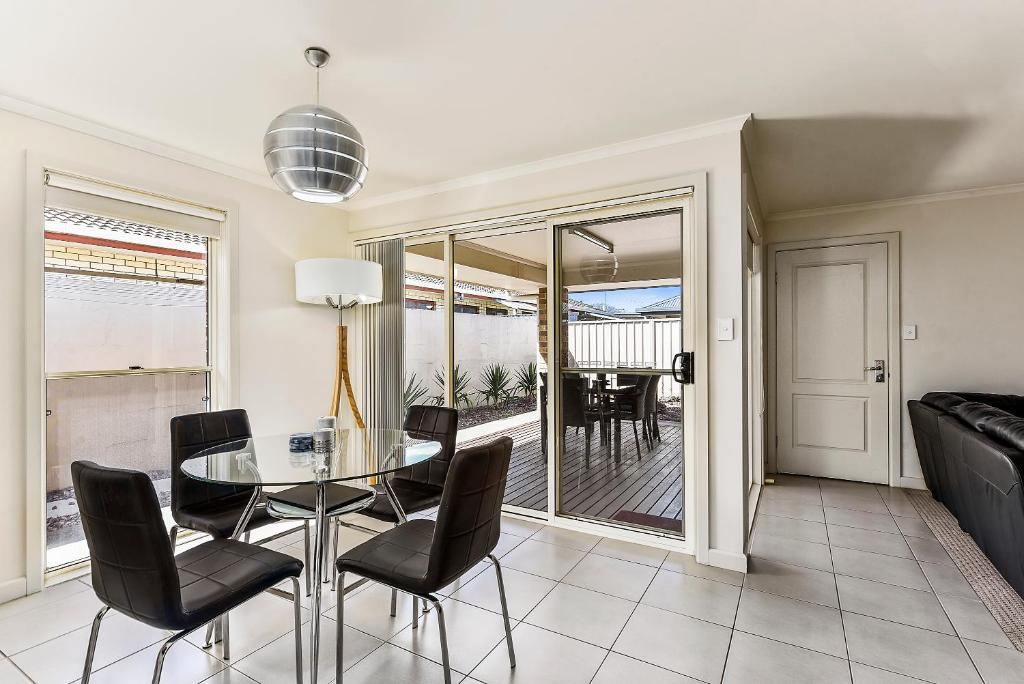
x: 879, y: 369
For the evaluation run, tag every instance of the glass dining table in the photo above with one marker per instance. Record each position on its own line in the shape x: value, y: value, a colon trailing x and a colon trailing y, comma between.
x: 358, y: 454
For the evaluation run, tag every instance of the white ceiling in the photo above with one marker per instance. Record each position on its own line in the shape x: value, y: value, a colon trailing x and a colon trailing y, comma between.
x: 854, y: 101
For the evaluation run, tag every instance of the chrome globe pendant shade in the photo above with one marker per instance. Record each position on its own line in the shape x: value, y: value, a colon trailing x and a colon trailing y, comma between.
x: 314, y: 153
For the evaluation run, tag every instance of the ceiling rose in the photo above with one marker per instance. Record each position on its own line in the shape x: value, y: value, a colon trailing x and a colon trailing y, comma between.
x: 314, y: 153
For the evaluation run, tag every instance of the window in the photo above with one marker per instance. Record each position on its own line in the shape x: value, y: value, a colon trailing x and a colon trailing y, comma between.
x: 126, y: 348
x: 467, y: 309
x: 496, y: 312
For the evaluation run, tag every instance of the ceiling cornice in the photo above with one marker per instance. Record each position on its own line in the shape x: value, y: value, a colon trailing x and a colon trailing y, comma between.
x: 731, y: 125
x: 104, y: 132
x: 898, y: 202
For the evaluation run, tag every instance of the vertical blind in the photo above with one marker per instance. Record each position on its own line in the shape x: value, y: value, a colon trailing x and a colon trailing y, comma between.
x: 383, y: 330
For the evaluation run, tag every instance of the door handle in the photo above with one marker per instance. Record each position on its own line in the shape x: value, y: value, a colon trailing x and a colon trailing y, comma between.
x: 879, y: 370
x: 683, y: 374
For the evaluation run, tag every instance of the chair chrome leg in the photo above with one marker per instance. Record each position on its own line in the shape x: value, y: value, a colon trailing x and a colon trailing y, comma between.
x: 93, y: 636
x: 415, y: 612
x: 334, y: 558
x: 245, y: 537
x: 394, y: 602
x: 158, y: 669
x: 225, y: 635
x: 444, y: 641
x: 309, y: 563
x: 208, y: 644
x: 339, y: 642
x: 174, y: 536
x: 504, y: 610
x: 297, y: 603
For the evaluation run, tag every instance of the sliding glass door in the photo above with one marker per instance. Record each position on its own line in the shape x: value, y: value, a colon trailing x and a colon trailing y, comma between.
x: 620, y: 414
x: 499, y: 282
x: 568, y: 334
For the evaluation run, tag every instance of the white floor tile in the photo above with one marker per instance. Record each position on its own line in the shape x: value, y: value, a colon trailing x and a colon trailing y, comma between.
x: 675, y: 642
x: 472, y: 633
x: 542, y: 657
x: 889, y: 602
x: 798, y: 623
x: 618, y: 668
x: 539, y: 558
x: 792, y: 581
x: 756, y: 659
x: 254, y: 624
x: 997, y: 665
x: 634, y: 553
x: 693, y: 596
x: 582, y: 614
x: 48, y: 596
x: 687, y: 564
x: 10, y: 674
x: 972, y: 620
x: 611, y: 576
x: 61, y: 660
x: 275, y: 662
x: 523, y: 592
x: 395, y: 666
x: 24, y: 630
x: 865, y: 674
x: 185, y: 664
x: 570, y: 538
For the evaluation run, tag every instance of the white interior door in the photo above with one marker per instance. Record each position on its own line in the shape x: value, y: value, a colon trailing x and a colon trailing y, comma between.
x: 832, y: 369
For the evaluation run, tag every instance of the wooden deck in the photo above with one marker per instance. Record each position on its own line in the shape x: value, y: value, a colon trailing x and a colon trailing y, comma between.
x: 651, y: 485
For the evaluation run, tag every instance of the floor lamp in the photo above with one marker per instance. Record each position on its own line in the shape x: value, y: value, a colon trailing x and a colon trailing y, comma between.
x: 340, y: 284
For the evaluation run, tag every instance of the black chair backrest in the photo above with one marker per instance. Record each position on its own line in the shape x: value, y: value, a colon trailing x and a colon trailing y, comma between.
x: 191, y: 434
x: 634, y: 403
x: 469, y: 517
x: 133, y: 567
x: 574, y: 402
x: 651, y: 395
x: 435, y: 423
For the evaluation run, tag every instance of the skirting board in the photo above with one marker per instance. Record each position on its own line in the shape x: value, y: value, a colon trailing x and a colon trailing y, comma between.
x: 13, y: 589
x: 728, y: 560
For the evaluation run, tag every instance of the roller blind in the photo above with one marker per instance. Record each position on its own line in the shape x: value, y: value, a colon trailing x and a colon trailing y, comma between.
x: 91, y: 197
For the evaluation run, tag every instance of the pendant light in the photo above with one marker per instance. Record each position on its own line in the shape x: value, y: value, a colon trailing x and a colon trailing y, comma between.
x: 314, y: 153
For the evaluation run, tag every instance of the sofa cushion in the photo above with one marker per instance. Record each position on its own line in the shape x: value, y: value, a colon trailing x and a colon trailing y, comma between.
x: 944, y: 401
x: 1007, y: 430
x: 977, y: 414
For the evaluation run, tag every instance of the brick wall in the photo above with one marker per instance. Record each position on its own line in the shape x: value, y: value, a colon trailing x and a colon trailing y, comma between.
x: 75, y: 256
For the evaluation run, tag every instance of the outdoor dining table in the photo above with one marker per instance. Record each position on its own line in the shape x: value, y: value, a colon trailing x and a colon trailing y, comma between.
x: 357, y: 454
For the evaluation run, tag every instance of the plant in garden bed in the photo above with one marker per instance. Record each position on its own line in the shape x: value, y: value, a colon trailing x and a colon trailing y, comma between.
x: 415, y: 390
x: 461, y: 383
x: 497, y: 384
x: 526, y: 379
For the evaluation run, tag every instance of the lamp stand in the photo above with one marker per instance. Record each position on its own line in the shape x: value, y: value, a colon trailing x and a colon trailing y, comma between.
x: 341, y: 374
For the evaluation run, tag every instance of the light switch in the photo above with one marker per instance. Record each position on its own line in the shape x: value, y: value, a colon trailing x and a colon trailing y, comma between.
x: 910, y: 332
x: 724, y: 329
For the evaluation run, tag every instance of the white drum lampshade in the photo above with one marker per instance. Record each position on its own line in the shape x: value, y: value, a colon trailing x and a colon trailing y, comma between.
x: 345, y: 281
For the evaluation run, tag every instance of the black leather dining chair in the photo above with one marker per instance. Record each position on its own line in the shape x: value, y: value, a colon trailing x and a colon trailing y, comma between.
x: 205, y: 506
x: 135, y: 571
x: 421, y: 556
x: 419, y: 487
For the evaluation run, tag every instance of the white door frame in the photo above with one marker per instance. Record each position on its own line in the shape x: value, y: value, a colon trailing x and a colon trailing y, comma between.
x: 690, y: 191
x: 892, y: 241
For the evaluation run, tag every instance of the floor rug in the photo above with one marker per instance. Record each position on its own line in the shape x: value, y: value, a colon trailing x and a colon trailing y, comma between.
x: 647, y: 520
x: 1002, y: 601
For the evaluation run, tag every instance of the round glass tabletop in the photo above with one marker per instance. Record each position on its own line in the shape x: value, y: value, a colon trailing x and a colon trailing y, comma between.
x: 274, y: 461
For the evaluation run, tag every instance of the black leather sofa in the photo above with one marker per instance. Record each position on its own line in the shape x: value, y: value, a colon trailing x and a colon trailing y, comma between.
x: 971, y: 448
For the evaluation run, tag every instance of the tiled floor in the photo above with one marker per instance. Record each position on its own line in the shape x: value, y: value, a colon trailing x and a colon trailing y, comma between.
x: 846, y: 584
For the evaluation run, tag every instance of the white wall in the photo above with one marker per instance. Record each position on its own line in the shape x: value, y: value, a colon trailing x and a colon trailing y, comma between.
x: 961, y: 280
x: 621, y: 172
x: 285, y: 351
